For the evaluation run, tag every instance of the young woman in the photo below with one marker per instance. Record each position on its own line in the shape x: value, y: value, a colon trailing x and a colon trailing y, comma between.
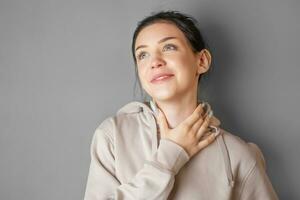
x: 172, y: 147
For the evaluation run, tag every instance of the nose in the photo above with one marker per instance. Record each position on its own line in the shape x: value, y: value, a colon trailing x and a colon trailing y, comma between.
x: 157, y: 61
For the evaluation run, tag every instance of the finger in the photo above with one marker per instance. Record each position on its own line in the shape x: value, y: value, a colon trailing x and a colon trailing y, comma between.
x: 197, y: 125
x: 207, y: 108
x: 199, y: 122
x: 208, y: 132
x: 194, y: 116
x: 215, y: 130
x: 204, y: 125
x: 211, y: 130
x: 215, y: 121
x: 205, y: 142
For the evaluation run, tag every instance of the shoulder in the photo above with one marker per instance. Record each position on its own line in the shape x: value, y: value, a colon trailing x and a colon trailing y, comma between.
x: 236, y: 146
x: 127, y: 117
x: 243, y: 155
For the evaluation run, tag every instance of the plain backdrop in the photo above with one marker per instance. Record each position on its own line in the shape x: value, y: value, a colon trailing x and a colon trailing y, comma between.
x: 66, y: 65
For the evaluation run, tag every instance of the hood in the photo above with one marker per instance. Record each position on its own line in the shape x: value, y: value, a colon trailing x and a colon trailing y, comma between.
x: 136, y: 106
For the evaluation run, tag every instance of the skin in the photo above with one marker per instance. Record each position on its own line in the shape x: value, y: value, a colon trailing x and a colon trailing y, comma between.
x: 162, y: 47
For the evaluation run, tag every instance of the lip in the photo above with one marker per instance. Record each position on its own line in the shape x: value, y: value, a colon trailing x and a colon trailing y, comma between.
x: 160, y: 75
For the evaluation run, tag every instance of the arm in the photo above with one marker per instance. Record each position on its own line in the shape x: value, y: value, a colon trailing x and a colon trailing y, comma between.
x: 154, y: 181
x: 256, y: 184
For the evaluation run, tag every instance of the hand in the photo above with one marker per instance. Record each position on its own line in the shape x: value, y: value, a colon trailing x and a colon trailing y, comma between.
x: 188, y: 134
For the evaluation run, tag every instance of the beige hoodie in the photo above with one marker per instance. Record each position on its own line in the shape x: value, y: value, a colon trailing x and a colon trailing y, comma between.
x: 130, y: 161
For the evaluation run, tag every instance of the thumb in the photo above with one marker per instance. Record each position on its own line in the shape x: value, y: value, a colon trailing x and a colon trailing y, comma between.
x: 162, y: 121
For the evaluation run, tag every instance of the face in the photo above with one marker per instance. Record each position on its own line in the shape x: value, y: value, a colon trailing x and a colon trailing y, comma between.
x: 163, y: 51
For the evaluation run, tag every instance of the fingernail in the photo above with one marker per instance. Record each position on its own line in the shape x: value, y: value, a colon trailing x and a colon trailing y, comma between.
x: 204, y: 108
x: 217, y: 133
x: 216, y: 130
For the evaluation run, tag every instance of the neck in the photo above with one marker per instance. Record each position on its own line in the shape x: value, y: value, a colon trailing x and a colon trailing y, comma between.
x: 177, y: 110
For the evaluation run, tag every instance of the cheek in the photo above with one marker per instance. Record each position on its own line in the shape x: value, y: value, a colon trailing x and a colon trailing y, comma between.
x: 182, y: 65
x: 142, y: 76
x: 185, y: 71
x: 179, y: 59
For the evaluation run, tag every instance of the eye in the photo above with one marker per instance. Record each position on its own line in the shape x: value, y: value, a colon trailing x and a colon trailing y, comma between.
x: 142, y: 55
x: 170, y: 47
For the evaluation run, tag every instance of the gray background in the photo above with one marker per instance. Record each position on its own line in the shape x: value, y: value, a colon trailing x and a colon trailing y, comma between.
x: 66, y: 65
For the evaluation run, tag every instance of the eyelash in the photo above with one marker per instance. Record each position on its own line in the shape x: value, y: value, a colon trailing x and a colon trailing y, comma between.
x: 167, y: 45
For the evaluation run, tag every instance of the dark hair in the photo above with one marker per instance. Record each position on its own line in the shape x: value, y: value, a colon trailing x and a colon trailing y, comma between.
x: 186, y: 23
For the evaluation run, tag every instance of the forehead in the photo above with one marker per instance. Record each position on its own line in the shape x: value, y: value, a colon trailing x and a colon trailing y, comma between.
x: 154, y: 32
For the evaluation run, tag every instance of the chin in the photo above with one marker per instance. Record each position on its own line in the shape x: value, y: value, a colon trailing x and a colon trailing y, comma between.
x: 162, y: 92
x: 162, y: 95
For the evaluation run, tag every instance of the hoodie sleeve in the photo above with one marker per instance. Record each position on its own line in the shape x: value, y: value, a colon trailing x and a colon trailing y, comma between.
x: 256, y: 184
x: 154, y: 181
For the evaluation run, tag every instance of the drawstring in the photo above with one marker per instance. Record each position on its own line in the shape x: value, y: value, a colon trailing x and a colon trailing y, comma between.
x: 155, y: 137
x: 226, y: 159
x: 153, y: 107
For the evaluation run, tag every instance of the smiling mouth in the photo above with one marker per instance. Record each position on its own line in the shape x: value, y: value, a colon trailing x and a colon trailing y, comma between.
x: 162, y: 79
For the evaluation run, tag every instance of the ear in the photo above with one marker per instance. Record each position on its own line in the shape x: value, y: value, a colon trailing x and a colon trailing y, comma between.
x: 204, y: 61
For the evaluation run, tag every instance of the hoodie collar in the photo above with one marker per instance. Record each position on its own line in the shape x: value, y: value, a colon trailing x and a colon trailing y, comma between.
x: 150, y: 107
x: 135, y: 107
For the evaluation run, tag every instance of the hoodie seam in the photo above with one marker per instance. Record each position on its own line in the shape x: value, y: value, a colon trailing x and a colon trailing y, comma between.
x: 226, y: 158
x: 246, y: 178
x: 104, y: 131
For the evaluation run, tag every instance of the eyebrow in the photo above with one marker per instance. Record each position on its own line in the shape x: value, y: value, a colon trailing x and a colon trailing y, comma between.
x: 160, y: 41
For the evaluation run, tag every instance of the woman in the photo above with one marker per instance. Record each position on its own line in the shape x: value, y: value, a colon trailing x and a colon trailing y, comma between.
x: 172, y: 147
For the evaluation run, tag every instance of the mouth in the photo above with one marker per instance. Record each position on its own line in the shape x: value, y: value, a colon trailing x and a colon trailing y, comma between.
x: 162, y: 78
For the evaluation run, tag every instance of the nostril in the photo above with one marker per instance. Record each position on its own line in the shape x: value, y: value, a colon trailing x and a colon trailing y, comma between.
x: 158, y: 63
